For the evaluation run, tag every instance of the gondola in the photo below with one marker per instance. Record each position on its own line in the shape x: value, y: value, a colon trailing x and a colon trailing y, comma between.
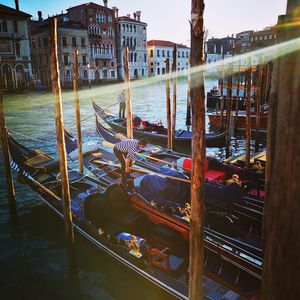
x: 229, y: 202
x: 109, y: 219
x: 157, y: 133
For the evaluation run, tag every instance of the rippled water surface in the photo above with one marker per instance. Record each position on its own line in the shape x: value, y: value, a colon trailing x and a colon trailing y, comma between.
x: 33, y: 262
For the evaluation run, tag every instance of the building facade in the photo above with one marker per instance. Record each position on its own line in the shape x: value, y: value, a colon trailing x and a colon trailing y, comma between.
x: 243, y: 40
x: 159, y: 51
x: 100, y: 24
x: 132, y: 33
x: 15, y: 60
x: 263, y: 38
x: 70, y: 36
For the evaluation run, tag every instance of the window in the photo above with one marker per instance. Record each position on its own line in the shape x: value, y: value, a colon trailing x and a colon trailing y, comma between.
x: 144, y: 30
x: 32, y: 42
x: 83, y: 44
x: 130, y: 28
x: 151, y: 70
x: 18, y: 52
x: 40, y: 42
x: 163, y: 53
x: 16, y: 29
x: 270, y: 36
x: 135, y: 57
x: 45, y: 42
x: 67, y: 73
x: 3, y: 26
x: 82, y: 15
x: 265, y: 37
x: 84, y: 61
x: 66, y: 60
x: 74, y: 44
x: 90, y: 11
x: 109, y: 18
x: 112, y: 74
x: 157, y: 53
x: 260, y: 38
x: 151, y: 53
x: 158, y: 71
x: 134, y: 28
x: 145, y: 57
x: 163, y: 71
x: 251, y: 39
x: 168, y: 53
x: 112, y: 64
x: 85, y: 74
x: 64, y: 41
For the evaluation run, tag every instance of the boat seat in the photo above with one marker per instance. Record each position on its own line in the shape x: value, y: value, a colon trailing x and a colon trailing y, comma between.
x: 42, y: 163
x: 212, y: 175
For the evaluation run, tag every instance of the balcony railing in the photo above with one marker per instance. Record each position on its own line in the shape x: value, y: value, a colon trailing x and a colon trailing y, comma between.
x: 14, y: 58
x: 102, y: 56
x: 12, y: 35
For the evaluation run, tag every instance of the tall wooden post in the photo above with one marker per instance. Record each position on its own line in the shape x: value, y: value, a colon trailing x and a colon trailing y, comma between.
x: 6, y: 163
x: 222, y: 93
x: 228, y: 112
x: 258, y: 103
x: 236, y: 116
x: 198, y: 153
x: 282, y: 208
x: 248, y: 113
x: 61, y: 149
x: 128, y: 94
x: 77, y: 110
x: 174, y: 73
x: 188, y: 122
x: 168, y: 106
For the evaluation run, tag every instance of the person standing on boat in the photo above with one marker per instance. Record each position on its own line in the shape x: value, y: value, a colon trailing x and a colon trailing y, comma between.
x: 124, y: 151
x: 122, y: 107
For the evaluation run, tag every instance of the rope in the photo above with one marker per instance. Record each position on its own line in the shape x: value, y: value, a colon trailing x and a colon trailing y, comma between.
x: 31, y: 138
x: 84, y: 119
x: 143, y: 171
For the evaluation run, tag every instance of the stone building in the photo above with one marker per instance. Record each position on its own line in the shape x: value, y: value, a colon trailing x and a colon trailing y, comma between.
x: 159, y: 51
x: 100, y: 24
x: 70, y: 36
x: 132, y: 33
x: 263, y: 38
x: 15, y: 61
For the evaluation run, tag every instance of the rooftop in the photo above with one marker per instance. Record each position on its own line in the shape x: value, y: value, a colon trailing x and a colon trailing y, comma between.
x: 5, y: 10
x: 88, y: 4
x: 165, y: 44
x: 127, y: 19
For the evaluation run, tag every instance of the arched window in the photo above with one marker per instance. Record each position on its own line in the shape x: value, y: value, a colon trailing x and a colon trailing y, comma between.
x: 135, y: 57
x: 131, y: 57
x: 111, y: 49
x: 124, y: 41
x: 127, y: 41
x: 127, y: 27
x: 131, y: 41
x: 123, y: 26
x: 134, y: 28
x: 130, y: 28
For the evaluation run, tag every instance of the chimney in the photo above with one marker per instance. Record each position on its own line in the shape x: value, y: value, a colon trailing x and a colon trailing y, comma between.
x: 105, y: 3
x: 40, y: 16
x: 17, y: 4
x: 116, y: 10
x: 138, y: 15
x: 128, y: 15
x: 134, y: 15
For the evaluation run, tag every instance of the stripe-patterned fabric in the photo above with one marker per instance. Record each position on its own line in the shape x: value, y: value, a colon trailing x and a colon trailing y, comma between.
x: 129, y: 146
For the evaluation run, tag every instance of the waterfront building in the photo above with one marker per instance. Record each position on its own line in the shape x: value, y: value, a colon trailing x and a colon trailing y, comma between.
x: 132, y: 33
x: 100, y: 24
x: 15, y: 61
x: 159, y: 51
x: 243, y: 40
x: 263, y: 38
x: 70, y: 36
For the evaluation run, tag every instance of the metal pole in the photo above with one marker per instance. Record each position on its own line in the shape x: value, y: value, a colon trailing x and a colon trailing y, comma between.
x: 128, y: 95
x: 6, y: 162
x: 56, y: 88
x: 77, y: 109
x: 168, y: 106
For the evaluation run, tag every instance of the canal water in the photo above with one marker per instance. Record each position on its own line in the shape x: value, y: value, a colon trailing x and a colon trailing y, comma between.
x: 33, y: 262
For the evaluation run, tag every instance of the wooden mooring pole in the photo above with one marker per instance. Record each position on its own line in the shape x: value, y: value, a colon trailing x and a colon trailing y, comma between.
x: 61, y: 149
x: 77, y: 110
x: 128, y: 94
x: 248, y: 114
x: 258, y: 103
x: 222, y: 94
x: 228, y: 112
x: 174, y: 73
x: 168, y: 106
x: 236, y: 116
x: 198, y: 153
x: 6, y: 163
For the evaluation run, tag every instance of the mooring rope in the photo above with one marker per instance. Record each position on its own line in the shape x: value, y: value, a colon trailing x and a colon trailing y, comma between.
x: 29, y: 137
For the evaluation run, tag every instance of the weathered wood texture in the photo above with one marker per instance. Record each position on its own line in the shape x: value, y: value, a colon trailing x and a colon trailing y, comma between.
x: 6, y: 163
x: 282, y: 207
x: 168, y: 106
x: 77, y: 111
x: 248, y: 113
x: 198, y: 153
x: 174, y: 74
x: 258, y: 102
x: 228, y: 111
x: 237, y: 96
x: 128, y: 94
x: 61, y: 149
x: 222, y: 93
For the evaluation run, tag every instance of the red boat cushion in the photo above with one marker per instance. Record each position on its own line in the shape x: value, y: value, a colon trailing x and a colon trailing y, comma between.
x: 214, y: 175
x: 186, y: 164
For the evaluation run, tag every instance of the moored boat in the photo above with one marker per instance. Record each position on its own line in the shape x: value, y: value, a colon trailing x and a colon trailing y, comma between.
x: 157, y: 133
x: 108, y: 218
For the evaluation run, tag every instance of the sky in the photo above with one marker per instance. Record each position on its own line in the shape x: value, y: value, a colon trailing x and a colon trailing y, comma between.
x: 169, y: 19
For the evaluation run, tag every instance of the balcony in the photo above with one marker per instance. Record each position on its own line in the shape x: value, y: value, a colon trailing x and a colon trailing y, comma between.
x: 102, y: 56
x: 14, y: 58
x: 10, y: 35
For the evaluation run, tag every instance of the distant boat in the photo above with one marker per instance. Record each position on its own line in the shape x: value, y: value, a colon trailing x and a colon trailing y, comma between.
x: 157, y: 133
